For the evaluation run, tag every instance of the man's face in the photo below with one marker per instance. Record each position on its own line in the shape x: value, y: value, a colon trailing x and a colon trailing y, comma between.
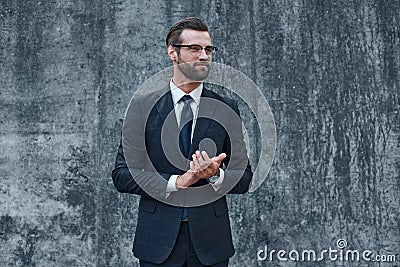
x: 194, y: 65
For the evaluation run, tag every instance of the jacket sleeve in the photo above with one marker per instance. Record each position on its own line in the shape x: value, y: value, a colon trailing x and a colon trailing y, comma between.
x: 238, y: 173
x: 123, y: 179
x: 129, y: 174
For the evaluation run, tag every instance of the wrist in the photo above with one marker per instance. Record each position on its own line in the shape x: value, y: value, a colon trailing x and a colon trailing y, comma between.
x: 178, y: 183
x: 183, y: 181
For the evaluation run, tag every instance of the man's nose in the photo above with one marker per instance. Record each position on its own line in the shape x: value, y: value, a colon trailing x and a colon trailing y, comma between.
x: 203, y: 55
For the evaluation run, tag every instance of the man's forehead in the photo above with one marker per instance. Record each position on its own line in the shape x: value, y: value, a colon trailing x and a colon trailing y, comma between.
x: 189, y: 34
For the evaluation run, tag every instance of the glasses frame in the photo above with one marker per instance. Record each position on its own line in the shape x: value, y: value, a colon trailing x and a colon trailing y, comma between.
x: 212, y: 51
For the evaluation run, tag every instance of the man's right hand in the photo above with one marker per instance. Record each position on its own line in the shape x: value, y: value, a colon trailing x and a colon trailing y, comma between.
x: 202, y: 167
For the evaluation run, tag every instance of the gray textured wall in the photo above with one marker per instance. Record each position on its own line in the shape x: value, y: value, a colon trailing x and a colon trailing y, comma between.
x: 329, y: 69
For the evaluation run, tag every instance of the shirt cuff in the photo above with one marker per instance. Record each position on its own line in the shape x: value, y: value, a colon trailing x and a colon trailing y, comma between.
x: 218, y: 183
x: 171, y: 185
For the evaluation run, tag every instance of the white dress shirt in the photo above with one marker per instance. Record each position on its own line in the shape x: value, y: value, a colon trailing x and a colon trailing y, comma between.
x: 177, y: 94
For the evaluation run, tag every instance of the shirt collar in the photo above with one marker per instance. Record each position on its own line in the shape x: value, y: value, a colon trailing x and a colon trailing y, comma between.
x: 177, y: 93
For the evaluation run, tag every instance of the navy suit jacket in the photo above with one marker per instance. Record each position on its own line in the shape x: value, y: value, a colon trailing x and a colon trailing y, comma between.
x: 158, y: 223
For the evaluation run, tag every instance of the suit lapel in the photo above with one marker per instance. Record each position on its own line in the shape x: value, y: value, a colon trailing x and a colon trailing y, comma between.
x: 165, y: 109
x: 207, y: 109
x: 165, y: 105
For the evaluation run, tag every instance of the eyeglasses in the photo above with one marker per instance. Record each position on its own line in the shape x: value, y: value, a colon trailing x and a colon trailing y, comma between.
x: 195, y: 49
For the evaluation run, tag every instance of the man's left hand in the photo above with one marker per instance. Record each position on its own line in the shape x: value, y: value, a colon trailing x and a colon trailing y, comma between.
x: 205, y: 167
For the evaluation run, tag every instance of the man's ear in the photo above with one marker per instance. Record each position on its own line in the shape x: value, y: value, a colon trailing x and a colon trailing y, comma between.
x: 172, y: 53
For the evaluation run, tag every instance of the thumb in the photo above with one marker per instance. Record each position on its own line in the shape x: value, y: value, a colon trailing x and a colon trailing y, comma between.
x: 220, y: 158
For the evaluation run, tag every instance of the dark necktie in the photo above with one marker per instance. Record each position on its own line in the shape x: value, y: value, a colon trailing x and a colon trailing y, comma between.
x: 186, y: 133
x: 186, y: 125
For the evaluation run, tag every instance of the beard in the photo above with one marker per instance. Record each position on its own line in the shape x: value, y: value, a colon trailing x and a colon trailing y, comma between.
x: 194, y: 71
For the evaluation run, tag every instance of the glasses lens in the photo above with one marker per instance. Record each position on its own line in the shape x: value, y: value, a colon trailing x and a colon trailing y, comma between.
x: 209, y: 49
x: 195, y: 48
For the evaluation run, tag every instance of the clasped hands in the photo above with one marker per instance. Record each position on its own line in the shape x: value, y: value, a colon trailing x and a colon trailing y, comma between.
x: 201, y: 167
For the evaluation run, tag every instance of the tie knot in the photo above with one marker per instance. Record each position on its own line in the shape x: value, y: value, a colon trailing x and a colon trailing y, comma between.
x: 186, y: 98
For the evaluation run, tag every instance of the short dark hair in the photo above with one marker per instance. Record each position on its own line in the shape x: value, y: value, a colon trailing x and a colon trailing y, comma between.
x: 191, y: 23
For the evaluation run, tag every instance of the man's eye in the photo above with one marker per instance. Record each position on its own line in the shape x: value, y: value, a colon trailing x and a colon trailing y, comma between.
x: 195, y: 48
x: 209, y: 49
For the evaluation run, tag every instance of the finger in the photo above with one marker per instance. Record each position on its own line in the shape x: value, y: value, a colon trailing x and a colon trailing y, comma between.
x: 208, y: 160
x: 202, y: 162
x: 205, y: 156
x: 194, y: 156
x: 198, y: 154
x: 220, y: 158
x: 192, y: 166
x: 196, y: 163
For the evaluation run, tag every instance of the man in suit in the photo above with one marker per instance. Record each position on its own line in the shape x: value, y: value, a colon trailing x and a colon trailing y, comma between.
x: 183, y: 216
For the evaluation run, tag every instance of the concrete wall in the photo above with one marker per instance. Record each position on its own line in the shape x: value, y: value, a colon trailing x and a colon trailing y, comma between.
x: 329, y: 69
